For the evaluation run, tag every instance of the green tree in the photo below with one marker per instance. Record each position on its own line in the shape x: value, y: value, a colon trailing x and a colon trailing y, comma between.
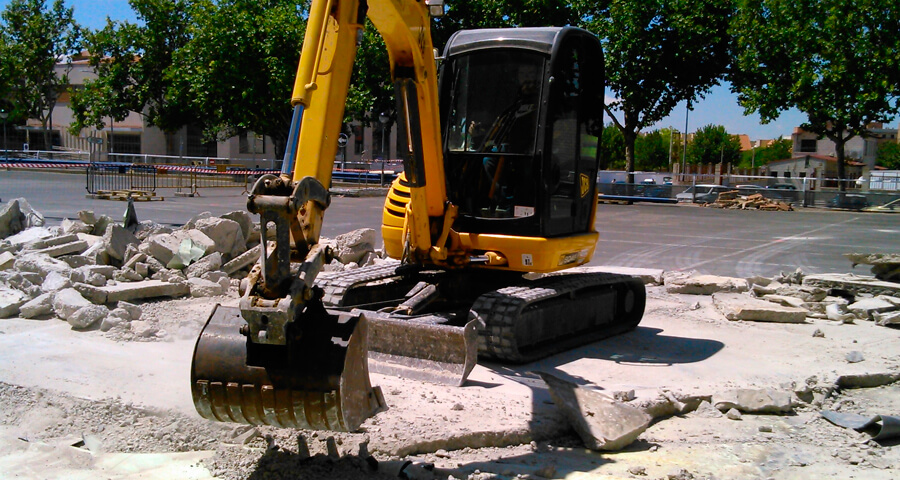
x: 889, y: 155
x: 132, y: 62
x: 712, y: 144
x: 835, y: 60
x: 37, y: 38
x: 612, y: 148
x: 777, y: 150
x: 652, y: 151
x: 658, y: 53
x: 237, y: 69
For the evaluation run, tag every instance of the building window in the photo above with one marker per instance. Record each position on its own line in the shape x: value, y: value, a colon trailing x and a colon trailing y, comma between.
x: 787, y: 174
x: 125, y: 143
x: 774, y: 174
x: 808, y: 146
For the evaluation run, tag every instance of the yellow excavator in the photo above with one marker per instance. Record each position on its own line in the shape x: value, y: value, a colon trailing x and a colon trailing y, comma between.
x: 497, y: 199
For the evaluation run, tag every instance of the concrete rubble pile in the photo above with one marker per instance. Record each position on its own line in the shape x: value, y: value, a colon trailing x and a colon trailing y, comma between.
x: 733, y: 200
x: 89, y: 271
x: 795, y: 298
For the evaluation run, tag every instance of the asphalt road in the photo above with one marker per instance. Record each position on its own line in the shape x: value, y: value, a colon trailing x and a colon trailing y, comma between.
x: 670, y: 237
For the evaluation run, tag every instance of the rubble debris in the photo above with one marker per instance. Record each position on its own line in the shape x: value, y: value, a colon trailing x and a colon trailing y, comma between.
x: 17, y: 215
x: 734, y: 414
x: 853, y: 284
x: 885, y: 266
x: 227, y: 235
x: 11, y: 300
x: 244, y: 260
x: 839, y: 313
x: 743, y: 307
x: 705, y: 284
x: 601, y: 422
x: 732, y: 200
x: 39, y: 306
x: 886, y: 319
x: 87, y: 316
x: 854, y: 357
x: 67, y: 301
x: 865, y: 308
x: 755, y: 401
x: 352, y: 247
x: 650, y: 276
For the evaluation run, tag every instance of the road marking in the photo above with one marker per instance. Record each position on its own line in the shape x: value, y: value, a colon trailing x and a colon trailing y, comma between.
x: 769, y: 244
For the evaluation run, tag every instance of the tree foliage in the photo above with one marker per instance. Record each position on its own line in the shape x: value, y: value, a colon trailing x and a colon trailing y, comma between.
x: 36, y: 38
x: 777, y: 150
x: 658, y: 53
x: 237, y: 69
x: 889, y: 155
x: 612, y: 148
x: 132, y: 62
x: 652, y: 151
x: 835, y: 60
x: 712, y: 144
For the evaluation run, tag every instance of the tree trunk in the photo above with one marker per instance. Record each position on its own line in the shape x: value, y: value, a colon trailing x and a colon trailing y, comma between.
x: 630, y: 137
x: 839, y: 143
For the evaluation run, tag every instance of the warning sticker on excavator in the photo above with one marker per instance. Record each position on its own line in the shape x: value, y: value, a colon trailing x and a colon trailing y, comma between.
x: 527, y: 260
x: 585, y: 185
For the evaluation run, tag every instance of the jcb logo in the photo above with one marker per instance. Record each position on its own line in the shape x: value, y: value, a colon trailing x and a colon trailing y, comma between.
x: 585, y: 185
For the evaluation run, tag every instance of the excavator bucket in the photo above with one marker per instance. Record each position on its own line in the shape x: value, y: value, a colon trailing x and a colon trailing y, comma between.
x: 319, y: 382
x: 422, y: 349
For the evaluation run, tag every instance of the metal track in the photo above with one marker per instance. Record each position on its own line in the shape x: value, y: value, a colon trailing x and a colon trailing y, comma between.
x: 556, y: 313
x: 336, y: 286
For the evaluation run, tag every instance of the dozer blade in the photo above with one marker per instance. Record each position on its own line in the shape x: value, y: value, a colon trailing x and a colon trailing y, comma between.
x: 321, y: 382
x: 421, y: 349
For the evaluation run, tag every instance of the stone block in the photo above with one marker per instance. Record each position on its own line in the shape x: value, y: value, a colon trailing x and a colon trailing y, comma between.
x: 42, y: 264
x: 755, y: 401
x: 245, y: 260
x: 117, y: 239
x: 165, y: 247
x: 74, y: 226
x: 351, y: 247
x: 227, y: 235
x: 602, y: 422
x: 71, y: 248
x: 706, y: 285
x: 785, y: 300
x: 37, y: 307
x: 806, y: 293
x: 743, y: 307
x: 864, y: 308
x: 12, y: 220
x: 134, y: 311
x: 854, y: 284
x: 243, y: 219
x: 76, y: 261
x: 127, y: 275
x: 7, y: 260
x: 53, y: 241
x: 92, y: 293
x: 55, y: 282
x: 88, y: 316
x: 204, y: 288
x: 209, y: 263
x: 143, y: 290
x: 10, y: 301
x: 650, y: 276
x: 67, y: 301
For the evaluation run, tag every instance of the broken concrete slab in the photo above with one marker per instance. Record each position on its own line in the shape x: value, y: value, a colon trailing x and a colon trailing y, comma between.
x: 67, y: 301
x: 602, y: 422
x: 755, y: 401
x: 351, y: 247
x: 53, y: 241
x: 87, y: 316
x: 706, y: 285
x: 10, y: 301
x: 39, y: 306
x: 134, y: 311
x: 142, y: 290
x: 736, y: 306
x: 164, y: 247
x: 209, y: 263
x: 244, y: 220
x: 865, y: 307
x: 885, y: 266
x: 55, y: 282
x: 650, y: 276
x: 227, y: 235
x: 42, y: 264
x: 664, y: 404
x: 853, y: 284
x: 243, y: 261
x: 205, y: 288
x: 12, y: 220
x: 806, y: 293
x: 785, y: 300
x: 7, y: 260
x: 71, y: 248
x: 866, y: 380
x: 886, y: 319
x: 117, y: 239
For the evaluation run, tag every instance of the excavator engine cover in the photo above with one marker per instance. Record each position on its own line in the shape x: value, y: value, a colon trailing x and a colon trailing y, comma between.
x: 319, y: 380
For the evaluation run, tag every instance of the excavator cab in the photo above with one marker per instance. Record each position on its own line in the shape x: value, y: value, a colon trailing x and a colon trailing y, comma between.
x: 521, y: 114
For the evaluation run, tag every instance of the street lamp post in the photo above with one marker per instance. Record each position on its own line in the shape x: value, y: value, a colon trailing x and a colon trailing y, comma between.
x: 4, y: 115
x: 384, y: 119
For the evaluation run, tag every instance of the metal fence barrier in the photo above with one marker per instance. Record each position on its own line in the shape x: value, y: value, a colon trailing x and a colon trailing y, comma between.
x: 120, y: 178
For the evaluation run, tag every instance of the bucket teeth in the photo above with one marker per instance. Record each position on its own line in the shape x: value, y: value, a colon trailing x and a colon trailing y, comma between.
x: 225, y: 388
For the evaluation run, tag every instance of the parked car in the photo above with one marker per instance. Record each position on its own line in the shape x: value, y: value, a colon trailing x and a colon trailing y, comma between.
x: 891, y: 207
x: 701, y: 193
x: 849, y: 201
x: 783, y: 191
x: 747, y: 190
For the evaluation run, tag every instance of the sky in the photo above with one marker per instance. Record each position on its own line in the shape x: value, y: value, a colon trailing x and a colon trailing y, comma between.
x: 720, y: 107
